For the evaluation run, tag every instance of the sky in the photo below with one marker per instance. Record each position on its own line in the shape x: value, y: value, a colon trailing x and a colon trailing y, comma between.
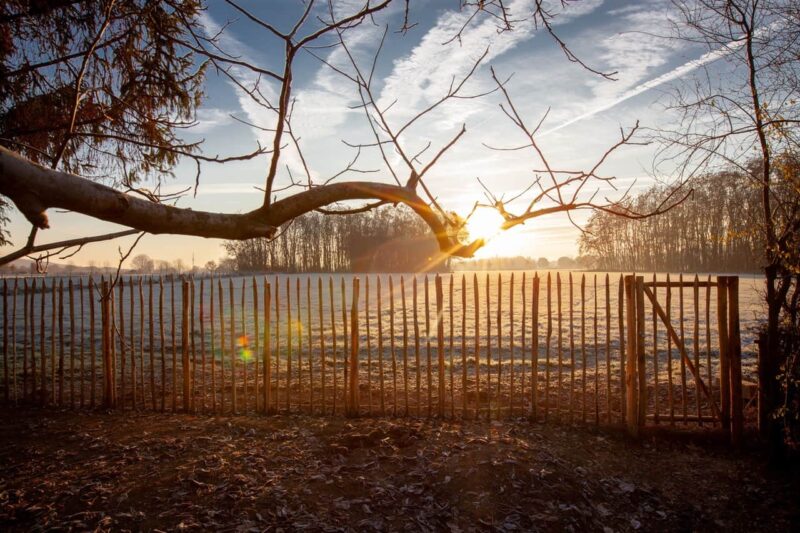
x: 415, y: 69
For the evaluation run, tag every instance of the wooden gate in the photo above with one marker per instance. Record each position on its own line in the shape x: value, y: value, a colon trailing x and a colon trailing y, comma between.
x: 648, y: 399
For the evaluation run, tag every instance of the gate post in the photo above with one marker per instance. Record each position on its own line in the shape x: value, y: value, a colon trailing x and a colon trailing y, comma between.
x: 724, y: 361
x: 640, y: 365
x: 735, y: 360
x: 631, y: 407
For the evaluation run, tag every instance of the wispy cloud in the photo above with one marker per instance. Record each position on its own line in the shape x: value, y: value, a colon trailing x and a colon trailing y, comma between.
x: 209, y: 118
x: 672, y: 75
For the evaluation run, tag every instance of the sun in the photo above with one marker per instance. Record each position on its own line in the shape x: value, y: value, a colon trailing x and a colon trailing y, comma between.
x: 484, y: 224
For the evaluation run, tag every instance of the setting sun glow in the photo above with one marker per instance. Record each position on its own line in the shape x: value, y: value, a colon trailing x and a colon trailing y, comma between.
x: 484, y: 224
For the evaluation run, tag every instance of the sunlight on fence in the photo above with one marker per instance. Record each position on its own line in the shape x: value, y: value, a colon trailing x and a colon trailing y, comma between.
x: 563, y: 346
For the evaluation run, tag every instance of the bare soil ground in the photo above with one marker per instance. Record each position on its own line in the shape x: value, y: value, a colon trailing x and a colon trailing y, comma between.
x: 133, y: 471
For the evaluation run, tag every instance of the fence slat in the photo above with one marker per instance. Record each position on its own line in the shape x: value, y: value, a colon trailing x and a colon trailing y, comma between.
x: 429, y: 381
x: 333, y: 328
x: 25, y: 314
x: 322, y: 355
x: 267, y: 366
x: 256, y: 351
x: 369, y: 345
x: 42, y: 352
x: 232, y: 346
x: 14, y: 391
x: 353, y: 402
x: 61, y: 362
x: 440, y: 342
x: 132, y: 340
x: 405, y: 344
x: 202, y: 317
x: 310, y: 345
x: 477, y: 310
x: 243, y: 343
x: 622, y: 351
x: 452, y: 390
x: 608, y: 349
x: 488, y: 350
x: 185, y: 346
x: 6, y: 392
x: 696, y: 343
x: 288, y: 344
x: 511, y: 346
x: 656, y: 393
x: 222, y: 345
x: 299, y: 323
x: 535, y: 347
x: 571, y: 352
x: 42, y: 349
x: 276, y: 397
x: 416, y: 344
x: 670, y: 379
x: 173, y: 325
x: 547, y: 347
x: 583, y: 348
x: 380, y: 345
x: 123, y: 345
x: 708, y: 333
x: 346, y: 352
x: 151, y: 340
x: 71, y: 294
x: 463, y: 347
x: 684, y: 398
x: 560, y: 347
x: 212, y: 345
x: 499, y: 342
x: 523, y: 344
x: 105, y: 297
x: 596, y: 361
x: 392, y: 343
x: 141, y: 343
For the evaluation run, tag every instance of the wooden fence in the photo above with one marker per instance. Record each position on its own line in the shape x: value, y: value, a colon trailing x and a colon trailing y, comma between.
x: 555, y: 346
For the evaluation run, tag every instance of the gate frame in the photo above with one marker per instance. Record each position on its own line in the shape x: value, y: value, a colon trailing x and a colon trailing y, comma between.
x: 730, y: 412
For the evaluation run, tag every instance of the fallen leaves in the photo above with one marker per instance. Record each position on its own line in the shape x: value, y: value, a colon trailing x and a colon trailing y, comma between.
x: 180, y: 472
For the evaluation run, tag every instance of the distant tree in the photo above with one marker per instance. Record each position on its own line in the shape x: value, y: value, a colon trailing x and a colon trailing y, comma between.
x: 566, y: 262
x: 143, y: 264
x: 210, y: 266
x: 586, y: 262
x: 543, y: 263
x: 178, y: 266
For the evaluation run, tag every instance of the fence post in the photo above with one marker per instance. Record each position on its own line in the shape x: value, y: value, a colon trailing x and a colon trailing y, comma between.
x: 724, y: 361
x: 631, y: 408
x: 108, y: 369
x: 352, y: 404
x: 440, y: 341
x: 735, y: 360
x: 185, y: 346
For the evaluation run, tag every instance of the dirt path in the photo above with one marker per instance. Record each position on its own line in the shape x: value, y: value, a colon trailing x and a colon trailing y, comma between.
x: 144, y: 471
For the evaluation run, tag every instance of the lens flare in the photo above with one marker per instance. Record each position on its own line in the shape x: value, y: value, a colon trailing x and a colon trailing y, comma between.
x: 243, y: 345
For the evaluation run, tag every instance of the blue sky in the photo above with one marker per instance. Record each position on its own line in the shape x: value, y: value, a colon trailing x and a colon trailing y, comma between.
x: 586, y: 114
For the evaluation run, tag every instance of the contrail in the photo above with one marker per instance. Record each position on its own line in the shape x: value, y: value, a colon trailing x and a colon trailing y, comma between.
x: 708, y: 57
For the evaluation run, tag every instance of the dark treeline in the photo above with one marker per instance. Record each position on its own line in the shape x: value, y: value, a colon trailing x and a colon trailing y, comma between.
x: 388, y: 239
x: 715, y: 230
